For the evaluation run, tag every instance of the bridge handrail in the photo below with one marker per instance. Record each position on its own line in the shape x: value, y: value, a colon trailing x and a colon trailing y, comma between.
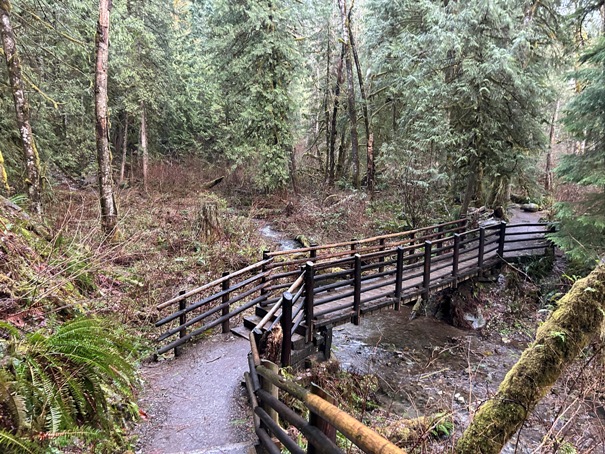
x: 262, y: 382
x: 461, y: 222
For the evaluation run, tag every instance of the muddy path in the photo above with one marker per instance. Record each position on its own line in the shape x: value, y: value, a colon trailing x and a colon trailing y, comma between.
x: 195, y: 403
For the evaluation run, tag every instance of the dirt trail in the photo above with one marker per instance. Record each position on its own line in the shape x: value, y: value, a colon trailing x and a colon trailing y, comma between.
x: 195, y: 403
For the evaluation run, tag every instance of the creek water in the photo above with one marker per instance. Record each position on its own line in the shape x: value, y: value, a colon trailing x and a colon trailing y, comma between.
x: 279, y: 238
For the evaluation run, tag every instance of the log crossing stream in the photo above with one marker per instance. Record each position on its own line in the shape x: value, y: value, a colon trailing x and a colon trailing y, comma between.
x: 307, y: 291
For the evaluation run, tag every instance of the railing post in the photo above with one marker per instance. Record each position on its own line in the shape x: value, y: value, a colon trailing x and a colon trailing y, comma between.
x: 317, y: 421
x: 464, y: 227
x: 456, y: 258
x: 357, y: 290
x: 313, y: 252
x: 501, y: 240
x: 426, y: 275
x: 413, y: 250
x: 440, y: 237
x: 271, y: 389
x: 286, y: 327
x: 553, y: 246
x: 398, y: 278
x: 226, y: 284
x: 309, y: 299
x: 182, y: 321
x: 263, y: 269
x: 381, y: 259
x: 481, y: 247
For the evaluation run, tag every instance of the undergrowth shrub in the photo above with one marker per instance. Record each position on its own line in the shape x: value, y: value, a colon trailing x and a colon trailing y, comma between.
x: 73, y: 385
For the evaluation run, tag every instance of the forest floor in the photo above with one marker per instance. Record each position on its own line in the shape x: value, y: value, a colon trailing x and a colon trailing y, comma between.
x: 424, y: 366
x: 160, y: 251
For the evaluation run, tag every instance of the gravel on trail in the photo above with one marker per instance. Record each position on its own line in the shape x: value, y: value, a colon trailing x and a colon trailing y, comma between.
x: 196, y: 403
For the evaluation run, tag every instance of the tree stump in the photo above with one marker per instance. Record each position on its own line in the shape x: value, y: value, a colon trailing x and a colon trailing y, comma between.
x: 207, y: 223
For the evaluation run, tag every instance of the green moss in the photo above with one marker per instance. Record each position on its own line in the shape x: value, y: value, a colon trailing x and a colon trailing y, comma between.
x: 559, y: 340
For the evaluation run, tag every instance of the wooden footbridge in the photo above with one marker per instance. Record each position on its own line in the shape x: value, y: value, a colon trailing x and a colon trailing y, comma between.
x: 303, y: 293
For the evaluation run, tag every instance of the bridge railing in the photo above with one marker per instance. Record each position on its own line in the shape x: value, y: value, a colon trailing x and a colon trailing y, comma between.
x: 267, y: 389
x: 409, y: 265
x: 214, y: 304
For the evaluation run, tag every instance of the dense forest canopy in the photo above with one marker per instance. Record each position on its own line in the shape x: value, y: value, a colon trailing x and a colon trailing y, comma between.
x: 438, y: 102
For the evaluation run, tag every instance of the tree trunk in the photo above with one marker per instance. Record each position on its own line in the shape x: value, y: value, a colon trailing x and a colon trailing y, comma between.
x: 143, y: 144
x: 124, y: 150
x: 327, y: 108
x: 3, y: 176
x: 334, y: 125
x: 579, y: 318
x: 30, y: 153
x: 342, y: 154
x: 350, y: 95
x: 109, y: 210
x: 548, y: 170
x: 366, y: 114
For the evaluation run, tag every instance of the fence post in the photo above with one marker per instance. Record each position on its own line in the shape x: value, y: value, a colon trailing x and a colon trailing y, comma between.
x: 286, y: 327
x: 317, y: 421
x: 398, y: 278
x: 182, y: 321
x: 357, y: 290
x: 456, y: 258
x: 313, y: 252
x: 381, y: 259
x: 426, y: 275
x: 309, y: 299
x: 225, y: 311
x: 501, y: 240
x: 271, y: 389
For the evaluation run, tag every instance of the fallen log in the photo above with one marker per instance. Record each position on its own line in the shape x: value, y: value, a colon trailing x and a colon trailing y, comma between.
x: 578, y: 319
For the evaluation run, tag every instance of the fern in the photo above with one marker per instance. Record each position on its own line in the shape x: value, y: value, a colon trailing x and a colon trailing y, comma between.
x: 66, y: 382
x: 10, y: 444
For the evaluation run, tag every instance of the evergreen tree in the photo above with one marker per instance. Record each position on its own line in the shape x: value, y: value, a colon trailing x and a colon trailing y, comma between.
x: 467, y: 87
x: 582, y: 232
x: 255, y: 60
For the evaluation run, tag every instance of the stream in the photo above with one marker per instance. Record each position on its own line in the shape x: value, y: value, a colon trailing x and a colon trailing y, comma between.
x: 284, y: 243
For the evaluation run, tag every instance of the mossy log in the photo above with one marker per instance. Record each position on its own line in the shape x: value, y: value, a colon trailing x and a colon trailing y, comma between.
x: 578, y: 319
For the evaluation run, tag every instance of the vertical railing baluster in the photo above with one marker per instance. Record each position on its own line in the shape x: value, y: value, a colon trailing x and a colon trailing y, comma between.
x: 263, y: 280
x: 440, y: 238
x: 286, y: 327
x: 398, y: 278
x: 412, y: 243
x: 357, y: 290
x: 182, y: 321
x: 426, y: 275
x: 481, y: 248
x: 309, y: 299
x: 381, y: 259
x: 456, y: 258
x: 226, y: 296
x: 501, y: 240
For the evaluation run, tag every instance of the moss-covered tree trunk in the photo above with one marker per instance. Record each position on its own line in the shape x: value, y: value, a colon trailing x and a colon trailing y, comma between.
x: 578, y: 318
x: 13, y: 64
x: 109, y: 210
